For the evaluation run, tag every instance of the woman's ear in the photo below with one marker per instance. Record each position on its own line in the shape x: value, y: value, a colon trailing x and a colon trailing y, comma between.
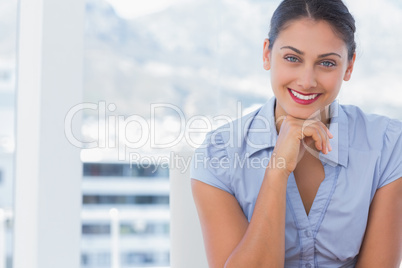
x: 266, y: 55
x: 349, y: 69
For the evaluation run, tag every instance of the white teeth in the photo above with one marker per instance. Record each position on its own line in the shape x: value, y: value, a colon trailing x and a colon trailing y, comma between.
x: 302, y: 97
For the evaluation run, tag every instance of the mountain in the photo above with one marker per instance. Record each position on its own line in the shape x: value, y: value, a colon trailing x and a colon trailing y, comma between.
x: 195, y: 56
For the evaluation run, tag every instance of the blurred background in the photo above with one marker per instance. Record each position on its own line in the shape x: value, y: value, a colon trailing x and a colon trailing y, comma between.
x: 188, y: 58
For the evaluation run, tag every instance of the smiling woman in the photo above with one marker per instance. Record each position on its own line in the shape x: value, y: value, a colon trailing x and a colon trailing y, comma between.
x: 339, y: 182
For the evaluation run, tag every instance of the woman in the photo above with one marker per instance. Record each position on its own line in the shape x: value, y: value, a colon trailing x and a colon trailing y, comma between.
x: 303, y: 181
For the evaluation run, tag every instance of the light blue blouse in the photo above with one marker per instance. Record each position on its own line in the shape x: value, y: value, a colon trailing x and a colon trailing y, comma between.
x: 366, y: 155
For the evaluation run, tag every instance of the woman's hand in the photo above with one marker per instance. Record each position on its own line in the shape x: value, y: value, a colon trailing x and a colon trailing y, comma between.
x: 296, y: 136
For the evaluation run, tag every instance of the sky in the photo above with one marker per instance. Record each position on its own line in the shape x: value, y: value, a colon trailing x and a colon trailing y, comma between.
x: 131, y: 9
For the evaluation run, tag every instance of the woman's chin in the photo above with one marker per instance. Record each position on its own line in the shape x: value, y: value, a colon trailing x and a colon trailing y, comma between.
x: 304, y: 115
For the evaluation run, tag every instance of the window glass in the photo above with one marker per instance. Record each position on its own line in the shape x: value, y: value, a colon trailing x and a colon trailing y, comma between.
x: 153, y: 69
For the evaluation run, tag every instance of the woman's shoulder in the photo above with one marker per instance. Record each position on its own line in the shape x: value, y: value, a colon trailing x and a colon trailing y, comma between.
x: 374, y: 142
x: 373, y: 130
x: 246, y: 130
x: 214, y: 159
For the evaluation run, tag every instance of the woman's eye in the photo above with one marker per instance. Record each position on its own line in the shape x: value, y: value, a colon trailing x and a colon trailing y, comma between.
x: 327, y: 64
x: 291, y: 59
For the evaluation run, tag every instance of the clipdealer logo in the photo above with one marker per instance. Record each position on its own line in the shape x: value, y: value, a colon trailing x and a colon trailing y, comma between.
x: 113, y: 133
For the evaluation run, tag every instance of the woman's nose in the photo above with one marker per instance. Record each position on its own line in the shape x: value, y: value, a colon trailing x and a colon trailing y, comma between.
x: 307, y: 78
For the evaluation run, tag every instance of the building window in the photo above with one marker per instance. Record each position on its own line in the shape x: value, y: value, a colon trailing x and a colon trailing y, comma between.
x: 95, y: 229
x: 126, y: 199
x: 144, y: 228
x: 103, y: 259
x: 133, y: 258
x: 124, y: 170
x: 84, y: 259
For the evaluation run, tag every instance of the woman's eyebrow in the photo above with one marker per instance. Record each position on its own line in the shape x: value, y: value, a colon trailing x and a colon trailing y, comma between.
x: 329, y: 54
x: 294, y: 49
x: 319, y: 56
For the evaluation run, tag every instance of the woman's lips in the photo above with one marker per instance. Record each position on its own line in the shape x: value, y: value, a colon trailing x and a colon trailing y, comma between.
x: 304, y: 99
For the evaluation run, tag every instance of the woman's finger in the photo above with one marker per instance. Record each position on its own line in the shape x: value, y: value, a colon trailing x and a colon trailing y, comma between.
x: 314, y: 132
x: 328, y: 136
x: 318, y: 132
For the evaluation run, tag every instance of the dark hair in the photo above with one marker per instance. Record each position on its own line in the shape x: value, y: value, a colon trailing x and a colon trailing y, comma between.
x: 332, y: 11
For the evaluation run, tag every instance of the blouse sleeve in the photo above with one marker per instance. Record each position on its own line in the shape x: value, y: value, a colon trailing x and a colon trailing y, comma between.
x: 391, y: 158
x: 211, y: 164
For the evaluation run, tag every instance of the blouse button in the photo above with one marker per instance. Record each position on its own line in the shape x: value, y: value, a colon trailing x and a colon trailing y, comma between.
x: 308, y: 265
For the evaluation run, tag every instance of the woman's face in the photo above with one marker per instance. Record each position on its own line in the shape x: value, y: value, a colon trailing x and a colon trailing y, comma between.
x: 308, y: 63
